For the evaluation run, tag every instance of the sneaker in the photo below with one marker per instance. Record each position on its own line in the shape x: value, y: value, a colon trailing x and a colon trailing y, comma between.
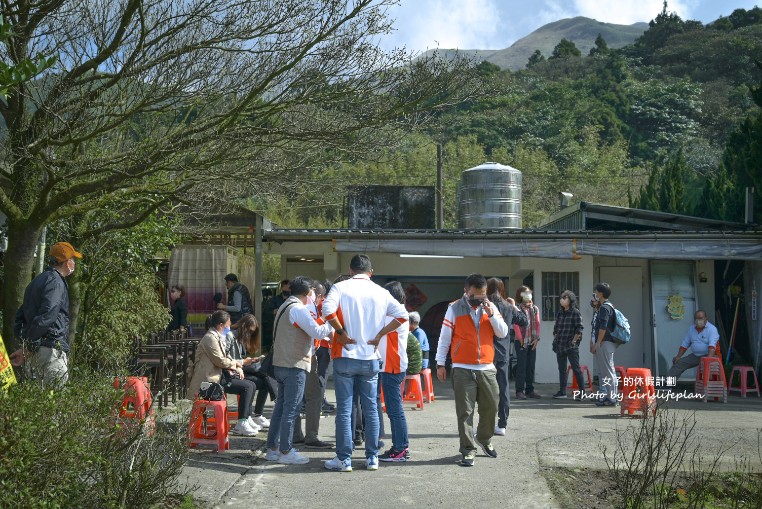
x: 468, y: 459
x: 520, y: 395
x: 559, y: 395
x: 489, y: 450
x: 582, y: 396
x: 499, y: 431
x: 371, y: 463
x: 298, y: 441
x: 357, y: 442
x: 392, y: 456
x: 293, y: 458
x: 381, y: 444
x: 261, y: 421
x: 533, y: 395
x: 318, y: 444
x: 243, y: 428
x: 605, y: 402
x: 338, y: 465
x: 254, y: 424
x: 328, y: 408
x: 272, y: 455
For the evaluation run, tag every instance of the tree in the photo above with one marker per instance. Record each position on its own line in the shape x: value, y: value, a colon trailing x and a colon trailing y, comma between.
x: 743, y: 154
x: 152, y: 101
x: 601, y: 48
x: 535, y: 58
x: 672, y: 185
x: 660, y: 29
x: 565, y: 49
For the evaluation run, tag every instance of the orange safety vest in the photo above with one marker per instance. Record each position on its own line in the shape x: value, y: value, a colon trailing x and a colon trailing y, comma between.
x: 467, y: 346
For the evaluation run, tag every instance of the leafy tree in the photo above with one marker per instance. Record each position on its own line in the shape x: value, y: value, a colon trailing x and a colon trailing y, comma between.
x: 600, y: 48
x: 648, y: 198
x: 720, y: 198
x: 660, y: 29
x: 743, y: 153
x: 672, y: 185
x: 535, y: 58
x: 565, y: 49
x: 151, y: 101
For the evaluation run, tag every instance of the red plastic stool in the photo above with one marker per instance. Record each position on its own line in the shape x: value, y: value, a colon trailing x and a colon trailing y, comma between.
x: 575, y: 385
x: 621, y: 372
x: 411, y: 390
x: 428, y: 393
x: 743, y: 378
x: 710, y: 379
x: 209, y: 430
x: 638, y: 392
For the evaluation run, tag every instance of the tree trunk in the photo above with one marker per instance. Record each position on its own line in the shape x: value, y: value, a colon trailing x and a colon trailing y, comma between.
x: 19, y: 261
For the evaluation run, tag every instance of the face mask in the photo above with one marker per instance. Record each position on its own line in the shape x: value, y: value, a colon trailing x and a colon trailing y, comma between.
x: 286, y: 293
x: 474, y: 301
x: 700, y: 322
x: 226, y: 331
x: 527, y: 297
x: 71, y: 266
x: 311, y: 298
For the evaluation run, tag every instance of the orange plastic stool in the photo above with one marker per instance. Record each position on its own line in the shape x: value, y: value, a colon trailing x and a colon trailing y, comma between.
x: 383, y: 403
x: 743, y: 378
x: 638, y: 392
x: 209, y: 430
x: 621, y: 372
x: 428, y: 393
x: 710, y: 379
x: 137, y: 400
x: 411, y: 390
x: 585, y: 371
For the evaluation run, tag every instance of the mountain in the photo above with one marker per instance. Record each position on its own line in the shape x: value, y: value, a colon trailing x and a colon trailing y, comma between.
x: 580, y: 30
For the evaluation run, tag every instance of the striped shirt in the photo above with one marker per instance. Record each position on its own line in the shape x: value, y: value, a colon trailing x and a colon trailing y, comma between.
x: 363, y: 308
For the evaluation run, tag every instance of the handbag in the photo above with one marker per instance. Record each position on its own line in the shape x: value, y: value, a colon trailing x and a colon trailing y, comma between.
x: 211, y: 391
x: 267, y: 363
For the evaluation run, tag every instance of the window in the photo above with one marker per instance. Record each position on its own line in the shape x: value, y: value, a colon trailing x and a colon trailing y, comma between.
x: 553, y: 283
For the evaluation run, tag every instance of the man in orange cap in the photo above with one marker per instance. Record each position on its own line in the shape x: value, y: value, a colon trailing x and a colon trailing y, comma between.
x: 42, y: 321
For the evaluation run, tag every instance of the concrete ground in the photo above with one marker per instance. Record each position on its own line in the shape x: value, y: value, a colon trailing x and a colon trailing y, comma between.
x: 543, y: 433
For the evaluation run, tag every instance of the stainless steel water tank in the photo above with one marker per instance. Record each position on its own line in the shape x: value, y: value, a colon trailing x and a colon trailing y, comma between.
x: 489, y: 197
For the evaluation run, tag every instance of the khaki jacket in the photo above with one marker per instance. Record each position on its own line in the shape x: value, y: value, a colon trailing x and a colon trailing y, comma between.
x: 210, y: 361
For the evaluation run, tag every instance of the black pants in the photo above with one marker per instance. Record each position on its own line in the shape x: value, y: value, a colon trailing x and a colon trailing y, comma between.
x: 526, y: 358
x: 323, y: 355
x: 504, y: 396
x: 573, y: 357
x: 245, y: 389
x: 261, y: 385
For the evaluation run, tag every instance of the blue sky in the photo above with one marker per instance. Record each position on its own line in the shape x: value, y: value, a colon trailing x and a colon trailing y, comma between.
x: 496, y: 24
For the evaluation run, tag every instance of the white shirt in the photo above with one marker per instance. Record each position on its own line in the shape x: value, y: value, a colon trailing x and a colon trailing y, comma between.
x: 363, y: 308
x: 300, y: 316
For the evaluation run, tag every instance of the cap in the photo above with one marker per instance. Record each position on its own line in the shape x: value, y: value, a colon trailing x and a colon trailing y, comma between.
x: 62, y: 251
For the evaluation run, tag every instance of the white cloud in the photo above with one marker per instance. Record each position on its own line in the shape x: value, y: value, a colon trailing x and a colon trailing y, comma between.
x: 463, y: 24
x: 626, y: 12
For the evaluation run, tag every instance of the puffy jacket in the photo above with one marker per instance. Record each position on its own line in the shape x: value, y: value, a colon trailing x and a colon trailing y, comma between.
x: 43, y: 318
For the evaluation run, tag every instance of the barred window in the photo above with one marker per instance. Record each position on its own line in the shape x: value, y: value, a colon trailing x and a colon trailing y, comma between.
x: 553, y: 283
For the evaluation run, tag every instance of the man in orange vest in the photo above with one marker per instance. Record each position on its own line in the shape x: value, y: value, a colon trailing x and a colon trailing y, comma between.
x: 469, y: 327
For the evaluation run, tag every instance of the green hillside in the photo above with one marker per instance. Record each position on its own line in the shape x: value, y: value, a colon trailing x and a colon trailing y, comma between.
x: 580, y: 30
x: 671, y: 121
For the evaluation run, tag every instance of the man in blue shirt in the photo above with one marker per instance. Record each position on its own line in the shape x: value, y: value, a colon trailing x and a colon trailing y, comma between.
x: 420, y: 334
x: 702, y: 339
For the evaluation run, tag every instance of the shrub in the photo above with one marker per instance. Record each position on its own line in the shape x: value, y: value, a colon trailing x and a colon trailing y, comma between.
x: 63, y: 449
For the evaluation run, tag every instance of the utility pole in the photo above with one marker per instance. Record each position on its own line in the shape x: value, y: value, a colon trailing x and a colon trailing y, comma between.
x: 439, y: 211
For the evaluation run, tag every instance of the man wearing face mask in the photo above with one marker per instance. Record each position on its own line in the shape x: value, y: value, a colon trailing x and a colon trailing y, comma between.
x: 702, y: 339
x: 42, y: 321
x: 468, y: 331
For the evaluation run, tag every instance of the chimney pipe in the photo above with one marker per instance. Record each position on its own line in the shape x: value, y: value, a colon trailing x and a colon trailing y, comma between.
x: 749, y: 210
x: 564, y: 199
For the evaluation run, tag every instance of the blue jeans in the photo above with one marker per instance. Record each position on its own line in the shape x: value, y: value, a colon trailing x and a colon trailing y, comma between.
x: 348, y: 374
x: 393, y: 398
x: 287, y: 405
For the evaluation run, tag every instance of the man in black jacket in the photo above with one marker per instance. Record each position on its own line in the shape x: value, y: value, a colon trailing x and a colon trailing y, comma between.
x: 239, y: 299
x: 42, y: 321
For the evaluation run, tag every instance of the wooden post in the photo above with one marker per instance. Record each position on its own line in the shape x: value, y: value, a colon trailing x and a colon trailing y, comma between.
x: 258, y: 232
